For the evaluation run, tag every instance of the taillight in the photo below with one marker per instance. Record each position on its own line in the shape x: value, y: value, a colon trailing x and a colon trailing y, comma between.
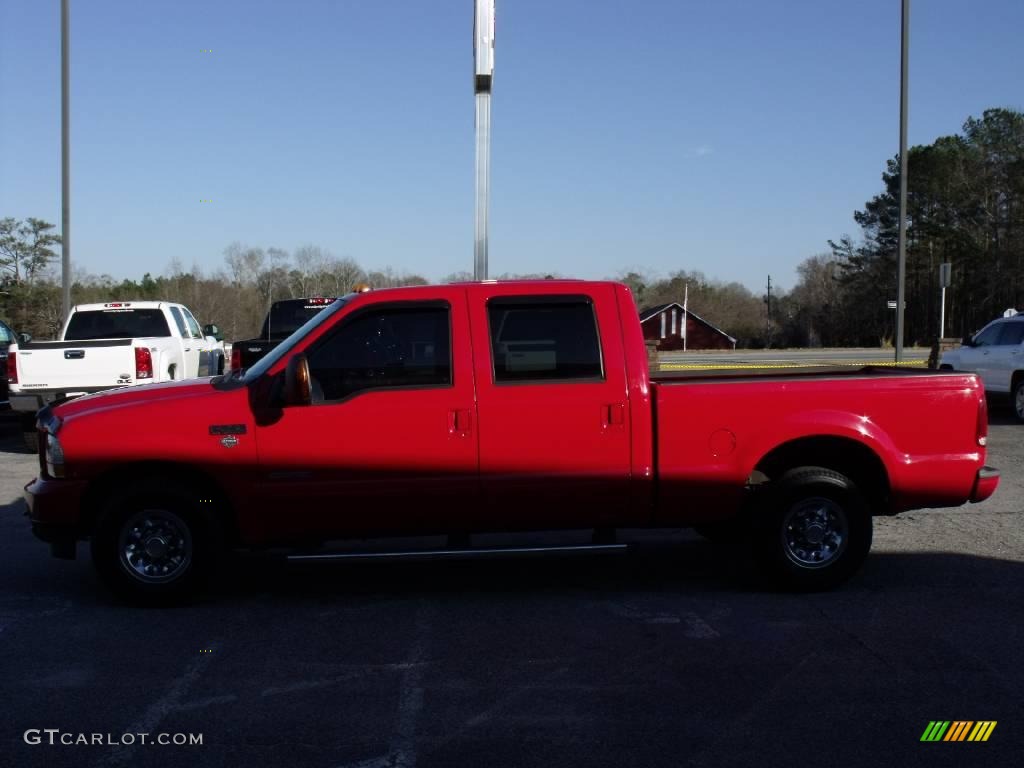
x: 143, y: 363
x: 12, y: 368
x: 236, y: 358
x: 982, y: 426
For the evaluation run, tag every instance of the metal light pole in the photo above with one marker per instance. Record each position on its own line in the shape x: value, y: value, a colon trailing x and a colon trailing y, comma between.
x: 483, y: 55
x: 65, y: 160
x: 945, y: 280
x: 902, y: 246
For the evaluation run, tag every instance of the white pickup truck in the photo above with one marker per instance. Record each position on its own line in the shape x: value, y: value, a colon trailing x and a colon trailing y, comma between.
x: 105, y: 346
x: 996, y: 354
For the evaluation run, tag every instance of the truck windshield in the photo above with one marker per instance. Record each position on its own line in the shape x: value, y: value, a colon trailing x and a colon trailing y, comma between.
x: 122, y: 323
x: 286, y: 317
x: 285, y: 347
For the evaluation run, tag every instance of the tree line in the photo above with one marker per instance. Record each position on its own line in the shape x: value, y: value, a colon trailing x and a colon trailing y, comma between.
x: 965, y: 207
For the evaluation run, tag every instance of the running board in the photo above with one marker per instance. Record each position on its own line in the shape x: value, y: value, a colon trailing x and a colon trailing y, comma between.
x: 464, y: 554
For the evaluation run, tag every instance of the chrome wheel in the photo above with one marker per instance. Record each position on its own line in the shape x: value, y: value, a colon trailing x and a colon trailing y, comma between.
x: 814, y: 532
x: 155, y: 546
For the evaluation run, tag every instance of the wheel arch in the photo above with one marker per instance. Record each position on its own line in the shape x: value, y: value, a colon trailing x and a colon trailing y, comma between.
x: 212, y: 497
x: 847, y: 456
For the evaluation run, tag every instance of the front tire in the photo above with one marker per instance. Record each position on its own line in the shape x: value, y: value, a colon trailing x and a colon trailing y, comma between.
x: 814, y: 530
x: 153, y: 545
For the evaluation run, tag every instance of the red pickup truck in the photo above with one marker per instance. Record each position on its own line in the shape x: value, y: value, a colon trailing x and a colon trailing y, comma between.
x: 497, y: 406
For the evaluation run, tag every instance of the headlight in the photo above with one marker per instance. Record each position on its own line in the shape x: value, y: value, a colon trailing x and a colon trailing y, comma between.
x: 54, y: 456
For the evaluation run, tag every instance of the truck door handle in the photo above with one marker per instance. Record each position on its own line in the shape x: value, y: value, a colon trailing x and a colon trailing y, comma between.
x: 613, y: 414
x: 460, y: 422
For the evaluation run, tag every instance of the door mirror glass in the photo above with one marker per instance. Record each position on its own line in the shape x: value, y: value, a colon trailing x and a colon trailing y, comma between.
x: 297, y: 386
x: 213, y: 331
x: 24, y: 338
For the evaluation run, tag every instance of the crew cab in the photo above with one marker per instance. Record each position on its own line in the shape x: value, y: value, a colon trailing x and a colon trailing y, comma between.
x: 283, y: 319
x: 996, y: 354
x: 106, y: 346
x: 497, y: 407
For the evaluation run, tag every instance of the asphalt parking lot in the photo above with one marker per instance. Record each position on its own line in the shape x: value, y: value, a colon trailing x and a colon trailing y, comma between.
x: 656, y: 659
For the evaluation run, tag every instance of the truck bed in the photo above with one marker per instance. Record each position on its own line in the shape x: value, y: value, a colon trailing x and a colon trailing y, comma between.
x: 714, y: 429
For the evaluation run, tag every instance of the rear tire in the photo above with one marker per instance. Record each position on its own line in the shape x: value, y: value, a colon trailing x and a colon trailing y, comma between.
x: 813, y: 531
x: 153, y: 545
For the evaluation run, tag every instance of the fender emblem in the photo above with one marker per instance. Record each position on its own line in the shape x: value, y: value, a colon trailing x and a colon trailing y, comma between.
x: 229, y: 441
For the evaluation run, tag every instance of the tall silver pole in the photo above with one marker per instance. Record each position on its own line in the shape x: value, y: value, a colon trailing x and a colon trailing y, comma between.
x: 483, y: 184
x: 902, y: 247
x: 483, y: 54
x: 65, y: 160
x: 942, y: 315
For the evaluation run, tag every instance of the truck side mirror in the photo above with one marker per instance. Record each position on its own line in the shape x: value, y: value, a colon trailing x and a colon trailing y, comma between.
x: 24, y: 338
x: 297, y: 387
x: 214, y: 331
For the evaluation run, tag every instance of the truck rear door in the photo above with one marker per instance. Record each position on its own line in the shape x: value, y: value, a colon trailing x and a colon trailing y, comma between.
x: 554, y: 428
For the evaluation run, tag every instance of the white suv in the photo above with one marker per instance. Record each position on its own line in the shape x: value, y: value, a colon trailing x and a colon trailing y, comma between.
x: 996, y: 354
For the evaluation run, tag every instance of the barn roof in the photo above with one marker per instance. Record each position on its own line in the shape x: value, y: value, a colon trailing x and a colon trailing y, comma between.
x: 647, y: 314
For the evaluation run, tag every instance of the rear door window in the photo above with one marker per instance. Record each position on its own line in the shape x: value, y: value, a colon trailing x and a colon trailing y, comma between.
x: 544, y: 339
x: 1011, y: 333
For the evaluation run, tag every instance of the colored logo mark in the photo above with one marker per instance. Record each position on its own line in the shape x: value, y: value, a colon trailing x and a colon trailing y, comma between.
x: 958, y: 730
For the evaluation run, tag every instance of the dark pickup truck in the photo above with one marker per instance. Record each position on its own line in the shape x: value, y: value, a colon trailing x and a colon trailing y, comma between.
x: 284, y: 318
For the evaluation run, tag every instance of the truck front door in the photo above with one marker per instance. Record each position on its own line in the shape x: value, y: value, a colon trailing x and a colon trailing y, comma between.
x: 389, y: 443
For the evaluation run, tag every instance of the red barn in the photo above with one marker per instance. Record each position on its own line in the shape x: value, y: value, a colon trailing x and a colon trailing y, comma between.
x: 664, y: 324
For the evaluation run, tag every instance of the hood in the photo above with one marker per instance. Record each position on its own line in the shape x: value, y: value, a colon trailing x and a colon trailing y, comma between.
x: 125, y: 396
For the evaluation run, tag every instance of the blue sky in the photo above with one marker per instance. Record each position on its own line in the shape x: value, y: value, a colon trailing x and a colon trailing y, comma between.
x: 729, y: 137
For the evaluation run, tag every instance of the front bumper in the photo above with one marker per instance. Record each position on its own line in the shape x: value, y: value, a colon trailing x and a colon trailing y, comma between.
x: 32, y: 400
x: 26, y: 403
x: 985, y: 484
x: 55, y: 511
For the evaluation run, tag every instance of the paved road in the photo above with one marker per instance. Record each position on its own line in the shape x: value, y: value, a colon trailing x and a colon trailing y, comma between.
x: 652, y: 660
